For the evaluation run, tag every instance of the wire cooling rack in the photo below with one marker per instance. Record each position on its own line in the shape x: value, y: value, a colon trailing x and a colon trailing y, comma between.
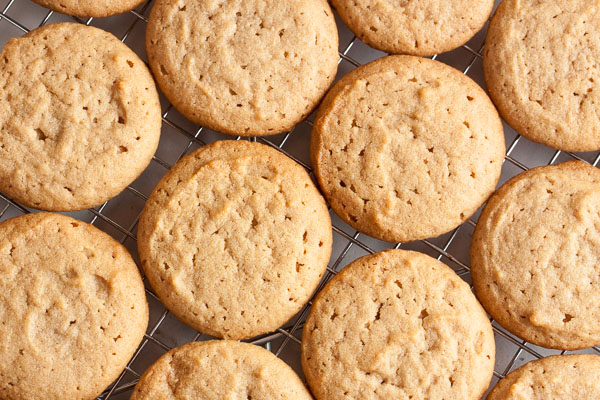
x: 119, y: 216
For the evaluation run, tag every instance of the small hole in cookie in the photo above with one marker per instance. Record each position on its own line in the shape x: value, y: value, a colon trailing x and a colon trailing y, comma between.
x: 121, y: 120
x: 342, y: 184
x: 122, y: 149
x: 130, y: 63
x: 40, y: 134
x: 232, y: 92
x: 378, y: 315
x: 567, y: 318
x: 469, y: 98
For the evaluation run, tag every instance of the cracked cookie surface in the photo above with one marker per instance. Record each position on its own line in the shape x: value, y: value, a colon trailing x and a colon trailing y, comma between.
x: 79, y: 117
x: 397, y: 325
x: 542, y: 68
x: 243, y: 67
x: 235, y: 239
x: 72, y: 306
x: 216, y: 370
x: 535, y: 256
x: 406, y: 148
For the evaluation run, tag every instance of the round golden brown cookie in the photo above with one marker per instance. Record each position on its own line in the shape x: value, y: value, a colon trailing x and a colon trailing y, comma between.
x: 250, y: 68
x: 542, y: 69
x: 81, y: 118
x: 422, y: 28
x: 220, y: 369
x: 406, y: 148
x: 72, y: 306
x: 397, y: 325
x: 573, y: 376
x: 235, y: 239
x: 90, y: 8
x: 535, y: 256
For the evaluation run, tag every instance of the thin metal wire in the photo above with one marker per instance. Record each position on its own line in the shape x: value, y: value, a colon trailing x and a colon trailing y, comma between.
x: 286, y: 334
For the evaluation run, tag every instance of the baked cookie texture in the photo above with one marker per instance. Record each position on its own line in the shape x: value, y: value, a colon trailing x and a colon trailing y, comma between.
x: 249, y: 68
x: 220, y: 369
x: 235, y: 239
x: 535, y: 252
x: 80, y: 117
x: 406, y: 148
x: 421, y: 28
x: 397, y: 325
x: 573, y: 376
x: 72, y: 306
x: 541, y: 64
x: 90, y: 8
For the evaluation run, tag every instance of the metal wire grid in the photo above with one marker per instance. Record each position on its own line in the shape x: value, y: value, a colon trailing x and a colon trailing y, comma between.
x: 452, y: 248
